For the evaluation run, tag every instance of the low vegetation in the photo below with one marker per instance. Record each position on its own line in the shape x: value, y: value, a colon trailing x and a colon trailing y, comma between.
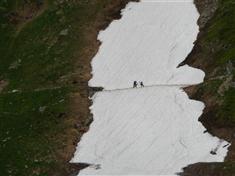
x: 45, y: 48
x: 222, y: 31
x: 218, y: 48
x: 214, y: 53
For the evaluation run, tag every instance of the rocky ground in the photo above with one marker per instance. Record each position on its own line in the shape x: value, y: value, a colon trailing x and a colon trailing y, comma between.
x: 213, y: 53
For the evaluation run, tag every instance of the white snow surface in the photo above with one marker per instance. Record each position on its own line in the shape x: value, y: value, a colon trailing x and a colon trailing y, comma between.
x: 152, y: 130
x: 147, y: 44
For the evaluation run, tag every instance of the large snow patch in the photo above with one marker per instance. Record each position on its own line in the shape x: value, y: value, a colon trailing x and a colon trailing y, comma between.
x: 146, y: 131
x: 155, y: 129
x: 147, y: 44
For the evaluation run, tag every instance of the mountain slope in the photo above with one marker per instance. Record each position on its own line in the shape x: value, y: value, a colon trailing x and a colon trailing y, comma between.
x: 46, y: 47
x: 214, y: 53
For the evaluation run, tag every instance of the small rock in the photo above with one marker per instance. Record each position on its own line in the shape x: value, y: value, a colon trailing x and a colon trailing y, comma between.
x: 62, y: 100
x: 59, y: 12
x: 42, y: 109
x: 61, y: 115
x: 64, y: 32
x: 14, y: 91
x: 15, y: 64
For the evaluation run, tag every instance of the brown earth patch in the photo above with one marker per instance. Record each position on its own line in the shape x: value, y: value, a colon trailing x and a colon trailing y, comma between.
x: 198, y: 59
x: 3, y: 84
x: 79, y: 116
x: 26, y: 13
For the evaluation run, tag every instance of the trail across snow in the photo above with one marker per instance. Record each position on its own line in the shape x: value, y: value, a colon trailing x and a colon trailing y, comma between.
x: 148, y: 43
x: 151, y: 130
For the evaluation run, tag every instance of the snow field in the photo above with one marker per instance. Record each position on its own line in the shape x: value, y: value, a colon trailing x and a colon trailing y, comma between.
x: 152, y: 130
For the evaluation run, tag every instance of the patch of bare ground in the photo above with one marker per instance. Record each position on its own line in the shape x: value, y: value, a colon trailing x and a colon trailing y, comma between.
x: 3, y: 84
x: 80, y: 117
x: 199, y: 59
x: 26, y: 13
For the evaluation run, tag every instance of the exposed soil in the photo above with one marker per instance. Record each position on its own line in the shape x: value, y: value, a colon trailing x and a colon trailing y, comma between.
x: 80, y: 117
x: 3, y: 84
x: 28, y: 12
x: 198, y: 59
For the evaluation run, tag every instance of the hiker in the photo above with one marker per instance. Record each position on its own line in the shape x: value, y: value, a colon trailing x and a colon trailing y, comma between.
x: 213, y: 152
x: 141, y: 84
x: 135, y: 84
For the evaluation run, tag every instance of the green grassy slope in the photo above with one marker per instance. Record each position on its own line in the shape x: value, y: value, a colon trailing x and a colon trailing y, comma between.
x: 222, y: 32
x: 214, y: 53
x: 217, y: 48
x: 39, y: 57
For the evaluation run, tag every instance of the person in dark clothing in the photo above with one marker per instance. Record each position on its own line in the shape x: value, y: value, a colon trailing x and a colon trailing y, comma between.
x: 135, y: 84
x: 213, y: 152
x: 141, y: 84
